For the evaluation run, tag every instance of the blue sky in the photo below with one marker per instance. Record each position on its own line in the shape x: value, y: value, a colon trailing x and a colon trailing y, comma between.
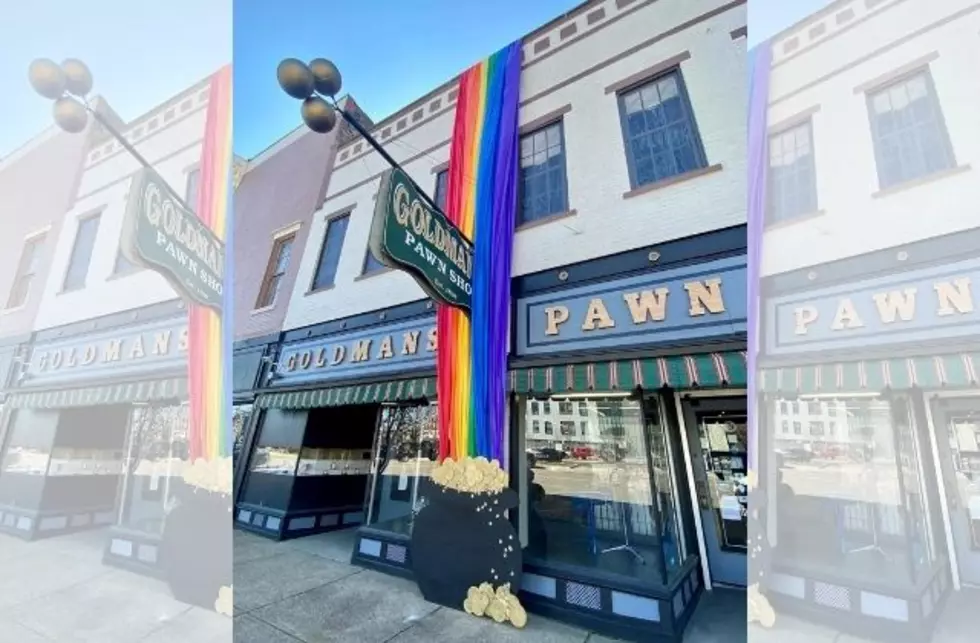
x: 140, y: 53
x: 769, y: 17
x: 389, y: 53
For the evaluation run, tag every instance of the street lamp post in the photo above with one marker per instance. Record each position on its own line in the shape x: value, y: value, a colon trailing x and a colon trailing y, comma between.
x: 311, y: 84
x: 68, y: 85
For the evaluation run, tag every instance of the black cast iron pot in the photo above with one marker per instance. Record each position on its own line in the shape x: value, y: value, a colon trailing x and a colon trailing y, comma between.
x: 460, y: 540
x: 196, y: 551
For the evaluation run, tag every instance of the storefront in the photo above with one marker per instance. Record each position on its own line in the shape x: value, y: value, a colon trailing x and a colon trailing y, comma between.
x: 869, y: 444
x: 341, y: 429
x: 629, y: 434
x: 97, y: 432
x: 252, y: 361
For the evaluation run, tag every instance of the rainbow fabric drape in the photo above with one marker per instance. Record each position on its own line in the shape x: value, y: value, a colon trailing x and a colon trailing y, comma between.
x: 208, y: 331
x: 481, y: 199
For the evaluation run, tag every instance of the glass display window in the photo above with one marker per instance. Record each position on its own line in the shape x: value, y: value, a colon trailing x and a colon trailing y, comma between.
x: 240, y: 416
x: 601, y: 492
x: 153, y: 466
x: 405, y: 452
x: 854, y: 499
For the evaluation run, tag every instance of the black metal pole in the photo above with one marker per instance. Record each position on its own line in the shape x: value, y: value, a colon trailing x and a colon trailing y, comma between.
x: 387, y: 157
x: 132, y: 150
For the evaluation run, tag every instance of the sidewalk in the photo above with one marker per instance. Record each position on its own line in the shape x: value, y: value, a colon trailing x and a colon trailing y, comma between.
x: 305, y: 590
x: 58, y: 590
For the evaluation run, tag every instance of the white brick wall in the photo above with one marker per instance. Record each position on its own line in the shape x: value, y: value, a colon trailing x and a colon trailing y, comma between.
x: 824, y: 71
x: 173, y: 146
x: 632, y: 37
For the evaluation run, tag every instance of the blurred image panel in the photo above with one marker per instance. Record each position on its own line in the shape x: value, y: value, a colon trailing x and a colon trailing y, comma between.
x: 115, y: 415
x: 865, y: 245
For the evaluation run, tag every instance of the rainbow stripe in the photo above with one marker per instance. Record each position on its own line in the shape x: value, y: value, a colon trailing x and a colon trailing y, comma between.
x: 209, y: 332
x: 481, y: 199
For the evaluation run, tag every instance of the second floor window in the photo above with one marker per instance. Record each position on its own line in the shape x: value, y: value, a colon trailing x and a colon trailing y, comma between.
x: 660, y: 133
x: 333, y: 243
x: 191, y: 191
x: 371, y: 263
x: 534, y: 408
x: 30, y: 261
x: 81, y: 253
x: 792, y: 174
x: 544, y: 189
x: 565, y: 408
x: 909, y: 133
x: 282, y: 250
x: 442, y: 184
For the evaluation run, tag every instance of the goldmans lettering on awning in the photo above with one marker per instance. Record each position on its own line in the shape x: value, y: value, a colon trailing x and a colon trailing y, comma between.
x: 141, y: 350
x: 920, y: 306
x: 686, y: 304
x: 387, y: 349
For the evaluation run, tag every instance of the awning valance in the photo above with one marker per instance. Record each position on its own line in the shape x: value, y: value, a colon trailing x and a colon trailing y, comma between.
x: 127, y: 393
x: 945, y: 371
x: 704, y: 370
x: 392, y: 391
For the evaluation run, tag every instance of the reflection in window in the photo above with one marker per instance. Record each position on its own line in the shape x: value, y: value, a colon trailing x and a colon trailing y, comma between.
x: 853, y: 499
x: 405, y: 452
x: 155, y: 457
x: 593, y: 499
x: 239, y: 421
x: 275, y: 460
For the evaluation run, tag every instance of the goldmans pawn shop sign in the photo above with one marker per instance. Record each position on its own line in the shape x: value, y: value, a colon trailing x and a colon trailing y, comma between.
x: 161, y: 234
x: 410, y: 235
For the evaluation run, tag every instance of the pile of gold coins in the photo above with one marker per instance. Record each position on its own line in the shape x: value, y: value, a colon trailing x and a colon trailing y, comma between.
x: 223, y: 604
x: 210, y: 475
x: 499, y: 604
x: 471, y: 475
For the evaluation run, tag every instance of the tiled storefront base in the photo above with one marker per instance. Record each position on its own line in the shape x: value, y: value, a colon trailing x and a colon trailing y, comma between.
x: 887, y: 615
x: 133, y: 550
x: 32, y: 525
x: 622, y: 614
x: 281, y: 525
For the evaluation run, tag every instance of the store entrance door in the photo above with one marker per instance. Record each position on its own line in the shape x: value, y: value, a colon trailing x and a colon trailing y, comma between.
x: 717, y: 443
x: 958, y: 440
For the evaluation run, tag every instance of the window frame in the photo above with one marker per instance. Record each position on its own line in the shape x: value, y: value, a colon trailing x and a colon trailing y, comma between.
x: 279, y: 240
x: 80, y: 220
x: 781, y: 130
x: 444, y: 172
x: 329, y: 221
x: 35, y: 241
x: 933, y: 97
x: 375, y: 270
x: 192, y: 171
x: 559, y: 120
x: 702, y: 154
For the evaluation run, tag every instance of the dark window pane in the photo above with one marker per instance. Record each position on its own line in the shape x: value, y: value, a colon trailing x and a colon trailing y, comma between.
x: 792, y: 174
x: 333, y: 242
x: 29, y: 263
x: 662, y: 139
x: 190, y: 194
x: 371, y: 264
x: 439, y: 197
x: 543, y: 185
x: 909, y: 135
x: 81, y: 253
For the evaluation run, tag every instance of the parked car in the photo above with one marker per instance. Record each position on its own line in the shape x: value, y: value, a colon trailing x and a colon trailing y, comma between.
x: 548, y: 454
x: 583, y: 453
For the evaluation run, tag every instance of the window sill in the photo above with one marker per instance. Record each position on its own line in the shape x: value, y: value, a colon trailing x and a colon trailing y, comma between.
x: 373, y: 273
x: 680, y: 178
x: 13, y: 309
x: 551, y: 218
x: 800, y: 218
x: 68, y: 291
x: 317, y: 291
x: 264, y: 309
x: 922, y: 180
x: 122, y: 275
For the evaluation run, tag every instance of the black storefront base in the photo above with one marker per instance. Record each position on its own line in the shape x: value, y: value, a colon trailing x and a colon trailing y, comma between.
x: 383, y: 551
x: 284, y: 525
x: 612, y: 608
x: 31, y: 524
x: 856, y: 608
x: 134, y: 551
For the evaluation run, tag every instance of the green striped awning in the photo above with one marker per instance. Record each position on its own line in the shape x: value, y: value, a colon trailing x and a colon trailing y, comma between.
x: 950, y: 371
x: 146, y: 391
x: 393, y: 391
x: 680, y: 371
